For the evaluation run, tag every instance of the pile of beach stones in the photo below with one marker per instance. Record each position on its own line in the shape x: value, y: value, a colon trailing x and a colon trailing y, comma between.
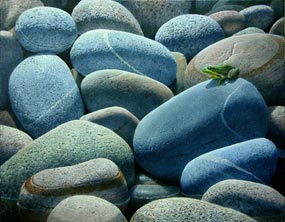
x: 105, y: 114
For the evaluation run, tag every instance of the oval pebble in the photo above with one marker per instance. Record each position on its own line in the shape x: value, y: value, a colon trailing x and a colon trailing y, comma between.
x: 109, y: 49
x: 46, y: 29
x: 44, y: 190
x: 197, y: 121
x: 260, y: 16
x: 43, y: 94
x: 256, y: 200
x: 260, y: 58
x: 278, y: 27
x: 104, y: 14
x: 231, y: 21
x: 186, y: 210
x: 116, y: 118
x: 253, y: 160
x: 138, y: 94
x: 11, y: 56
x: 249, y: 30
x: 189, y: 34
x: 11, y: 141
x: 86, y: 208
x: 71, y: 143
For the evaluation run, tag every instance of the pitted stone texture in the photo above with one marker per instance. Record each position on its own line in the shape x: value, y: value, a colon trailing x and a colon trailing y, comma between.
x: 256, y: 200
x: 189, y: 34
x: 71, y: 143
x: 116, y: 118
x: 87, y: 209
x: 186, y: 210
x: 46, y: 29
x: 11, y: 55
x: 104, y: 14
x: 260, y: 16
x: 110, y: 49
x: 11, y: 141
x: 231, y: 21
x: 153, y: 14
x: 11, y: 9
x: 253, y: 160
x: 138, y: 94
x: 43, y: 94
x: 98, y: 177
x: 205, y: 120
x: 260, y: 58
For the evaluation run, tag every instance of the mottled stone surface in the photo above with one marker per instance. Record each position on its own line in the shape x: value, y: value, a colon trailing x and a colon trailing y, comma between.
x: 104, y: 14
x: 256, y: 200
x: 45, y: 29
x: 11, y: 141
x: 87, y: 209
x: 189, y: 34
x: 253, y: 160
x: 70, y: 143
x: 138, y: 94
x: 198, y: 120
x: 116, y: 118
x: 186, y: 210
x: 44, y: 190
x: 110, y: 49
x: 260, y: 58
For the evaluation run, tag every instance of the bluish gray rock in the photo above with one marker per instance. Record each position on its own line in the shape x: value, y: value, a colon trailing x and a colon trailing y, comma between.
x: 189, y: 34
x: 43, y: 94
x: 196, y: 121
x: 253, y: 160
x: 55, y: 3
x: 116, y: 118
x: 260, y: 16
x: 138, y: 94
x: 46, y: 29
x: 11, y: 55
x: 109, y: 49
x: 104, y: 14
x: 256, y: 200
x: 203, y: 6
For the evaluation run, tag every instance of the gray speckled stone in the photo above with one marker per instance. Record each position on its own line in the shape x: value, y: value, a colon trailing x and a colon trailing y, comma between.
x: 278, y: 27
x: 87, y: 209
x: 276, y: 125
x: 189, y: 34
x: 11, y: 55
x: 260, y: 58
x: 118, y: 119
x: 152, y: 14
x: 187, y: 210
x: 44, y: 190
x: 138, y: 94
x: 249, y: 30
x: 68, y: 144
x: 260, y: 16
x: 256, y: 200
x: 231, y: 21
x: 104, y: 14
x: 45, y: 29
x: 11, y: 9
x: 11, y: 141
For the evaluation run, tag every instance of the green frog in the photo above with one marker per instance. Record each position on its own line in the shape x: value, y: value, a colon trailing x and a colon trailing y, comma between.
x: 221, y: 72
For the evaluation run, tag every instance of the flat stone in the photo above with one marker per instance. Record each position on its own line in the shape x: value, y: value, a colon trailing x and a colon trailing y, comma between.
x: 260, y: 58
x: 44, y: 190
x: 177, y: 209
x: 138, y: 94
x: 104, y: 14
x: 87, y: 209
x: 253, y: 160
x: 116, y: 118
x: 197, y: 121
x: 110, y: 49
x: 256, y: 200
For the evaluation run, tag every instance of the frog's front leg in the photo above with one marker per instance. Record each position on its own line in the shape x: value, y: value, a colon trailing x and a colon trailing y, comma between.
x: 233, y: 73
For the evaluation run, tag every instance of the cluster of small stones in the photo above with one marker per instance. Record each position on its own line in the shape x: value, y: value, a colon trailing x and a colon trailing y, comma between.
x: 106, y: 115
